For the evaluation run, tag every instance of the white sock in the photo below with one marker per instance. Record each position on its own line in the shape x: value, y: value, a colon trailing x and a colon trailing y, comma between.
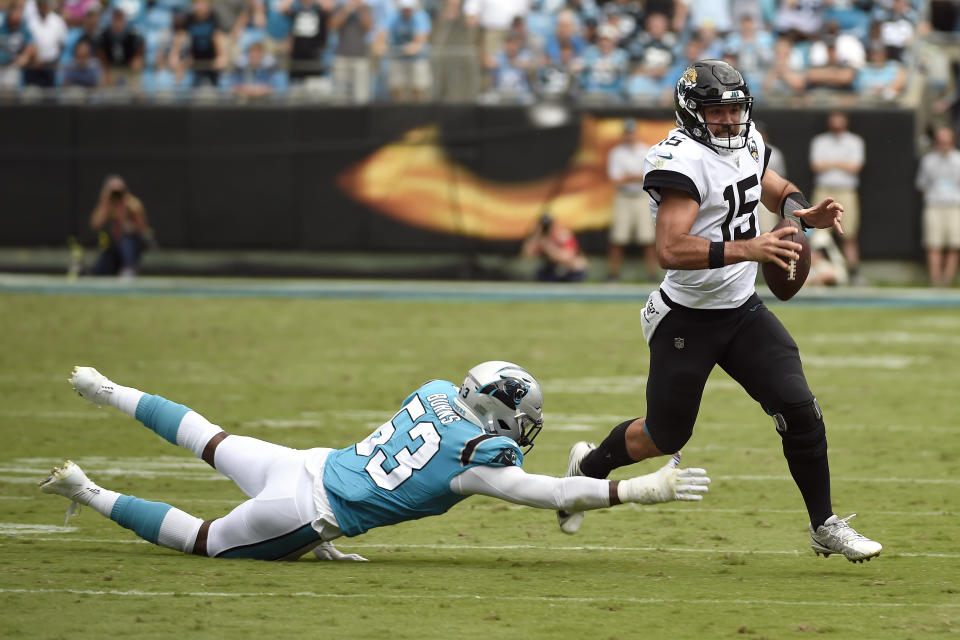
x: 179, y: 530
x: 195, y: 432
x: 98, y: 498
x: 124, y: 398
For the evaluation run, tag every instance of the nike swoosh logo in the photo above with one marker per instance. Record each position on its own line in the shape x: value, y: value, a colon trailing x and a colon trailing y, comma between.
x: 668, y: 156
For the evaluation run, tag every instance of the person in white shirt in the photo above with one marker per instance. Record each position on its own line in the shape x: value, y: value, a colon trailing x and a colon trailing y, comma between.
x: 939, y: 179
x: 632, y: 221
x: 836, y: 157
x: 49, y: 33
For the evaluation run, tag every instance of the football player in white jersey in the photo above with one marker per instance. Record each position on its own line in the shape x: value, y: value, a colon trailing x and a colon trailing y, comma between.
x: 705, y: 181
x: 444, y: 444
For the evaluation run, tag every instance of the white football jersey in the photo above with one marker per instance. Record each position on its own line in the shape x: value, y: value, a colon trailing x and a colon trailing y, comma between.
x: 727, y: 187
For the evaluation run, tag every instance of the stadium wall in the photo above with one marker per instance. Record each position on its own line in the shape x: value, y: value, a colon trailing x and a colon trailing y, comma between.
x: 450, y: 179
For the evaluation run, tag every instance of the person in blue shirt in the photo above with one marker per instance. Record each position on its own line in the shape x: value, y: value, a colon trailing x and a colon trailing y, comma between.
x: 16, y: 47
x: 408, y: 31
x: 443, y: 445
x: 605, y: 66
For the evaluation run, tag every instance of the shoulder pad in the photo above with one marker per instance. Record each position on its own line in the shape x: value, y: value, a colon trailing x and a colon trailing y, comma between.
x: 486, y: 448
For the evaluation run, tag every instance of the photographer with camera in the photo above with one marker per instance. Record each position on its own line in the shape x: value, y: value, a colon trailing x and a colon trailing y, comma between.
x: 124, y: 234
x: 557, y: 246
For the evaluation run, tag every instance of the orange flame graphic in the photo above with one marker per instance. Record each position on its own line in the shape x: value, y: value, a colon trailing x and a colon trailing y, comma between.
x: 414, y: 181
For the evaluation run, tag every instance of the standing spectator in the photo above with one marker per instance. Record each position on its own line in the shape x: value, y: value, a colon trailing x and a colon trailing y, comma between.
x: 456, y: 67
x: 493, y: 18
x: 632, y: 220
x: 652, y: 52
x: 84, y: 70
x: 250, y: 25
x: 352, y: 20
x: 567, y: 32
x: 121, y: 53
x: 604, y: 66
x: 49, y: 33
x: 836, y: 157
x: 88, y: 29
x: 558, y: 80
x: 310, y: 20
x: 627, y: 17
x: 206, y: 53
x: 896, y: 27
x: 16, y: 48
x: 939, y: 179
x: 558, y: 249
x: 122, y: 221
x: 510, y: 71
x: 74, y: 11
x: 850, y: 51
x: 881, y: 78
x: 410, y: 77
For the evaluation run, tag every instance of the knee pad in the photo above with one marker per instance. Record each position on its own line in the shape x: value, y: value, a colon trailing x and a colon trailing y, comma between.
x: 802, y: 430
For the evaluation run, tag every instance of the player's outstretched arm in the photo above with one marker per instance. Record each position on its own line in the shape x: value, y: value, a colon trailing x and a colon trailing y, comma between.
x: 578, y: 493
x: 779, y: 194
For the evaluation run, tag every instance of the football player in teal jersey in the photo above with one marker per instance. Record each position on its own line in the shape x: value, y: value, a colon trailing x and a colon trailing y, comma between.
x: 443, y: 445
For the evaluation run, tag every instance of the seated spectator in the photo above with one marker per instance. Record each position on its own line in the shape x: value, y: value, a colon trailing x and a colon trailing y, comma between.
x: 604, y: 66
x: 88, y: 29
x: 250, y: 25
x: 832, y: 74
x: 509, y: 71
x: 49, y: 34
x: 711, y: 41
x: 255, y: 73
x: 710, y: 14
x: 559, y: 251
x: 16, y: 48
x: 120, y: 218
x: 121, y: 51
x: 541, y: 22
x: 84, y: 70
x: 754, y: 48
x: 559, y: 81
x: 74, y: 11
x: 410, y: 74
x: 627, y: 17
x: 692, y: 51
x: 653, y: 50
x: 199, y: 45
x: 309, y: 28
x: 799, y: 19
x: 881, y: 78
x: 896, y: 27
x: 787, y: 76
x: 566, y: 33
x: 850, y: 51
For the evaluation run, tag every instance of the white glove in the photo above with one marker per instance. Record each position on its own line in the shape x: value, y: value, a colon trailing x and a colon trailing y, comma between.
x: 326, y: 551
x: 665, y: 485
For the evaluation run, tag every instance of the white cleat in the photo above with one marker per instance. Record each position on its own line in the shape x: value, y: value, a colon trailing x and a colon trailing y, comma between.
x: 91, y: 385
x: 69, y: 480
x: 836, y: 536
x: 570, y: 521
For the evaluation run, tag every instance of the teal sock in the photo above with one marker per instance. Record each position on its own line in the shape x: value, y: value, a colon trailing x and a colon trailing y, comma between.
x: 161, y: 415
x: 140, y: 516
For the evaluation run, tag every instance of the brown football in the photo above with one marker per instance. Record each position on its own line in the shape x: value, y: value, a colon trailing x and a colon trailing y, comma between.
x: 785, y: 283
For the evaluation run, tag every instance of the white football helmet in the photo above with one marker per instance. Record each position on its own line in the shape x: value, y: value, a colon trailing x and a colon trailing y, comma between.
x: 507, y: 400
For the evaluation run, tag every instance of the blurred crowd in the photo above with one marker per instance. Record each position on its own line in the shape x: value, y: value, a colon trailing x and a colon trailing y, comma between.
x: 497, y: 51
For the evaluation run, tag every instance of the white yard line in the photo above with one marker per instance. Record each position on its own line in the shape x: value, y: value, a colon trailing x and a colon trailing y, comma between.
x: 380, y: 595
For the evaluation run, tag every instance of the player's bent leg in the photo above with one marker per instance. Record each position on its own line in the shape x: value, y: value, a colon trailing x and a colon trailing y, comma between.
x: 274, y: 525
x: 156, y: 522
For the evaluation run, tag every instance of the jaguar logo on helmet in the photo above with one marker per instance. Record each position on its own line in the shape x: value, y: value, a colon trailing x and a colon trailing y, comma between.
x: 690, y: 76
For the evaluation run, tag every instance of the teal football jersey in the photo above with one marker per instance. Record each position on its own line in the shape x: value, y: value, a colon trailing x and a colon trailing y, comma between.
x: 402, y: 471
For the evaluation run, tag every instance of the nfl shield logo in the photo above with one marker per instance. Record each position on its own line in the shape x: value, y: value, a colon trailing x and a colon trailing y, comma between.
x: 678, y: 343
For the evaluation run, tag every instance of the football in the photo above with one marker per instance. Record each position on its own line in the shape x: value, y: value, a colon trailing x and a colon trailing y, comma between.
x: 784, y: 284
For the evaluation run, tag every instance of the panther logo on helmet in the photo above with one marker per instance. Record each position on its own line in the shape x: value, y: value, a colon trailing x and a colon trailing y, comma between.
x: 509, y: 391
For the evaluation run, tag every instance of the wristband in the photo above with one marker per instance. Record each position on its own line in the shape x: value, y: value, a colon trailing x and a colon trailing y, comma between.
x: 791, y: 203
x: 715, y: 259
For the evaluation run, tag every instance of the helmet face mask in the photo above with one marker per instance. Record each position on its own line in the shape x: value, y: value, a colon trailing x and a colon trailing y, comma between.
x: 708, y: 83
x: 507, y: 400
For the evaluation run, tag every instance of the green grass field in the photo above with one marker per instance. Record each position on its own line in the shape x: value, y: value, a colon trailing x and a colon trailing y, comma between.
x: 309, y: 373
